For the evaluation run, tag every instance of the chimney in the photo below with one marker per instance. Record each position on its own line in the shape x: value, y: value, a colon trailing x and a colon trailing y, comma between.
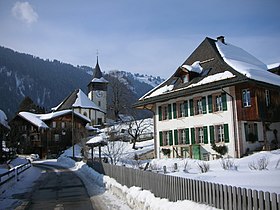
x: 221, y: 39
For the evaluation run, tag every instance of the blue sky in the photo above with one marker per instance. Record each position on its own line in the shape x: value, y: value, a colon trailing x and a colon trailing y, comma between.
x: 149, y: 36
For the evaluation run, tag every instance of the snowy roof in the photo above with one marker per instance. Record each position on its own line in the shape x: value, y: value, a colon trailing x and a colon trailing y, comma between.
x: 77, y: 99
x: 273, y: 65
x: 34, y: 119
x: 246, y: 64
x: 195, y: 67
x: 100, y: 139
x: 38, y: 119
x: 4, y: 119
x: 99, y: 80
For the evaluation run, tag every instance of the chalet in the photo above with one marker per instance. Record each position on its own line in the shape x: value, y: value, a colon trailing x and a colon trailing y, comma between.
x: 47, y: 134
x: 221, y: 96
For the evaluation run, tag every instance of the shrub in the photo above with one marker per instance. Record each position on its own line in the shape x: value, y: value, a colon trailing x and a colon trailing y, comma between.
x: 228, y: 164
x: 261, y: 164
x: 203, y: 166
x: 222, y: 149
x: 187, y: 166
x: 166, y: 151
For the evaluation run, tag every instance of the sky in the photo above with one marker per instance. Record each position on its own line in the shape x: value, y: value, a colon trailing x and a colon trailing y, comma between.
x: 151, y: 37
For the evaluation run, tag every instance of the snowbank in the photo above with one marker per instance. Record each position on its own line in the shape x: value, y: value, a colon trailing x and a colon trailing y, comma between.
x: 134, y: 196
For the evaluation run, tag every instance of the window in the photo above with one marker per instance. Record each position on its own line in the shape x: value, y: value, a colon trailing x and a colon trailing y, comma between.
x: 246, y: 98
x: 218, y: 103
x: 99, y: 103
x: 251, y: 131
x: 54, y: 124
x: 219, y: 133
x: 182, y: 136
x: 62, y: 124
x: 267, y: 98
x: 200, y: 106
x: 165, y: 112
x: 183, y: 109
x: 200, y: 135
x: 165, y: 138
x: 56, y: 137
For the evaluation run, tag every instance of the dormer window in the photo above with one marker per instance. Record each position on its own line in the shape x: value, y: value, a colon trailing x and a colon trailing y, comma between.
x: 185, y: 78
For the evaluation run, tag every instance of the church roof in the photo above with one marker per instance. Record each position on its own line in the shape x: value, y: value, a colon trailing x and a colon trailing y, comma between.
x: 77, y: 99
x: 97, y: 71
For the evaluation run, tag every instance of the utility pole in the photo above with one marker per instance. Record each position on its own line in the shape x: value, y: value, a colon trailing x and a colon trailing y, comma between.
x: 73, y: 142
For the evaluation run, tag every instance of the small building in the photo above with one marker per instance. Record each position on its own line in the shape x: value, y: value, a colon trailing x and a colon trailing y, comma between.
x: 48, y: 134
x: 222, y: 96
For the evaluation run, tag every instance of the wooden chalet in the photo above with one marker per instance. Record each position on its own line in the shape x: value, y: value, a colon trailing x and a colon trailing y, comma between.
x: 48, y: 134
x: 221, y: 95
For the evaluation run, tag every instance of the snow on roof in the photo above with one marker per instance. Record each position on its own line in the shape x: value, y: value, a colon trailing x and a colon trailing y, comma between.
x: 246, y: 64
x: 273, y: 65
x: 97, y: 139
x: 213, y: 78
x: 84, y: 102
x: 195, y: 67
x: 101, y: 80
x: 38, y: 119
x: 34, y: 119
x: 4, y: 119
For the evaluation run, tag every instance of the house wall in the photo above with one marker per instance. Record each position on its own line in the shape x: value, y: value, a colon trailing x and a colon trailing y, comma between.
x: 201, y: 120
x: 93, y: 115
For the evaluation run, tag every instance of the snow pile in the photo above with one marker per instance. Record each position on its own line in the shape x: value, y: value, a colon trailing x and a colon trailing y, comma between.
x: 4, y: 119
x: 246, y: 64
x: 213, y: 78
x: 195, y: 67
x: 69, y: 152
x: 134, y: 196
x: 97, y: 139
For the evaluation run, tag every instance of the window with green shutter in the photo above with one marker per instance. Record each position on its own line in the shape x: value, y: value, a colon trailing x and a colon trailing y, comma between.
x: 160, y: 113
x: 191, y: 107
x: 210, y: 104
x: 176, y: 137
x: 226, y: 133
x: 205, y: 135
x: 186, y: 108
x: 204, y: 105
x: 169, y: 111
x: 160, y: 138
x: 224, y: 101
x: 174, y: 110
x: 193, y: 135
x: 170, y: 138
x: 187, y: 136
x: 212, y: 134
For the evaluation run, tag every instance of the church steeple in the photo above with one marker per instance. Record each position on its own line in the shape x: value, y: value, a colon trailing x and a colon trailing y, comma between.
x: 97, y: 71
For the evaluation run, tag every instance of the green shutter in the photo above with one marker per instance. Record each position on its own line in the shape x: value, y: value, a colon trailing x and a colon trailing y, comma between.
x: 170, y: 138
x: 224, y: 101
x: 169, y: 112
x: 205, y: 135
x: 193, y: 135
x: 204, y: 105
x: 226, y: 133
x: 174, y: 110
x: 187, y: 136
x: 191, y: 107
x: 210, y: 104
x: 186, y: 108
x: 212, y: 135
x: 160, y: 139
x: 176, y: 137
x: 160, y: 113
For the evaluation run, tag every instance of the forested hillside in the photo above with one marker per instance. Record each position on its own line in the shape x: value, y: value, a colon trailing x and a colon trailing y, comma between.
x: 47, y: 82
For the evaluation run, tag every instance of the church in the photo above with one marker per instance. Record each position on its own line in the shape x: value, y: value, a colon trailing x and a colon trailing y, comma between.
x: 93, y: 105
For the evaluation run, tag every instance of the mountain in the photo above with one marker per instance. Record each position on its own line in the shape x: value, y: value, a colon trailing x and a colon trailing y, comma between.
x: 47, y: 82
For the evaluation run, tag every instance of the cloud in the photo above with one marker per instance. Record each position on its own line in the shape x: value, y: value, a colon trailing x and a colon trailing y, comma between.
x: 24, y: 12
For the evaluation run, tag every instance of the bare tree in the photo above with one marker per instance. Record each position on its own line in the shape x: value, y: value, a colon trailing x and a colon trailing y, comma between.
x: 136, y: 128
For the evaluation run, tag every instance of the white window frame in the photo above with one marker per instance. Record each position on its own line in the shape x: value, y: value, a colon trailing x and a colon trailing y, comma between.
x: 246, y: 98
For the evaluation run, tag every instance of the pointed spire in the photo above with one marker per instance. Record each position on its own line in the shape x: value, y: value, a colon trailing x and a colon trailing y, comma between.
x: 97, y: 71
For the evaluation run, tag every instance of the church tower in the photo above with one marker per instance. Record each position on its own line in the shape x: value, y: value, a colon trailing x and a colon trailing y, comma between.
x: 97, y: 92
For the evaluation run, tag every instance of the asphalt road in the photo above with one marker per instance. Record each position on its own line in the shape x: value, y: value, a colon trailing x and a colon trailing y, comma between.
x: 59, y: 188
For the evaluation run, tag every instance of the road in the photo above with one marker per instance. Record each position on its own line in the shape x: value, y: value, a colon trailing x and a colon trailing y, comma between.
x: 59, y: 188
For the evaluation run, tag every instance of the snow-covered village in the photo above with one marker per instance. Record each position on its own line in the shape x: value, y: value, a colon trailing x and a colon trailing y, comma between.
x: 207, y: 136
